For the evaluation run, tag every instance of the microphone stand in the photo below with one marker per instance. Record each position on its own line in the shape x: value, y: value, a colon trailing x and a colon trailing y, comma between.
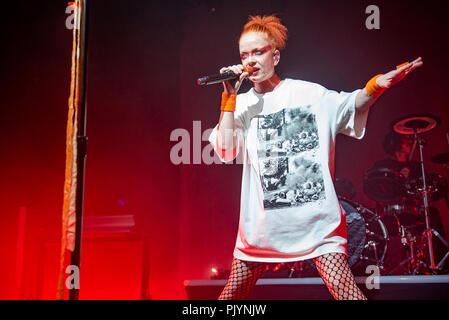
x: 75, y: 258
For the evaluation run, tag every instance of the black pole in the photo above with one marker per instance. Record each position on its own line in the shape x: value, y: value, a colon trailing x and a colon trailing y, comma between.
x: 75, y: 259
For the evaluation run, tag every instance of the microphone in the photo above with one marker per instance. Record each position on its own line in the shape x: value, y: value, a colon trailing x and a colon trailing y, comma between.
x: 220, y: 77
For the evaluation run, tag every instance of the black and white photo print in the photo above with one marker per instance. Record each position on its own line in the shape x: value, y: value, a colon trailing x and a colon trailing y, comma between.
x: 287, y: 151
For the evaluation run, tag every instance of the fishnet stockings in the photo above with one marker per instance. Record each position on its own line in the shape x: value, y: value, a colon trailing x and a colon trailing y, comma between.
x: 336, y: 274
x: 332, y: 267
x: 242, y: 279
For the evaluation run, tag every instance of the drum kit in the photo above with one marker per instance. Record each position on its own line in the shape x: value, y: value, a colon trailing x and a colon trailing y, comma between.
x: 403, y: 211
x: 397, y: 235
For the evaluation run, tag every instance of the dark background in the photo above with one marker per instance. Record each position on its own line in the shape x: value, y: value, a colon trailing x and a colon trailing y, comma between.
x: 143, y: 59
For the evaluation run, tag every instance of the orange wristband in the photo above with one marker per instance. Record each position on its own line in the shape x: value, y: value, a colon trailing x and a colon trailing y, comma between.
x: 228, y: 102
x: 372, y: 88
x: 401, y: 65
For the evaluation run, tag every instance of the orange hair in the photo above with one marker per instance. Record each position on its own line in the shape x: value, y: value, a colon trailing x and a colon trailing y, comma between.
x: 271, y: 26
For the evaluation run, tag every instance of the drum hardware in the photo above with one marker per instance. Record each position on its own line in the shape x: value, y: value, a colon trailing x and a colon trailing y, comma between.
x: 437, y: 187
x: 408, y: 239
x: 372, y: 245
x: 425, y: 197
x: 295, y: 268
x: 440, y: 265
x: 414, y: 125
x: 413, y: 264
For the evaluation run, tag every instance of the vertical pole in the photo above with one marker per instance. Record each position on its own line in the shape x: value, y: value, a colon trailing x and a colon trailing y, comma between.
x: 428, y: 231
x: 75, y: 259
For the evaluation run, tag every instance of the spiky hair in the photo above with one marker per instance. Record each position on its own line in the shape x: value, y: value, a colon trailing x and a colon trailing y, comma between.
x: 271, y: 26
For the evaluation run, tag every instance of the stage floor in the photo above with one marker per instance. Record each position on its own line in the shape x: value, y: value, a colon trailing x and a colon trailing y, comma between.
x: 432, y: 287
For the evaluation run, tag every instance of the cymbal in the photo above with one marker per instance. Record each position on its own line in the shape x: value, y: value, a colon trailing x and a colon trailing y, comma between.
x: 419, y: 123
x: 442, y: 158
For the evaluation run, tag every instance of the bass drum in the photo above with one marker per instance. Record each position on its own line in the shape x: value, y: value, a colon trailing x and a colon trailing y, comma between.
x: 367, y: 237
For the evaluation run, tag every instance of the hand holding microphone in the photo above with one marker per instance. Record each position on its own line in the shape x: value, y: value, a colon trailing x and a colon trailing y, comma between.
x: 232, y: 77
x: 232, y: 86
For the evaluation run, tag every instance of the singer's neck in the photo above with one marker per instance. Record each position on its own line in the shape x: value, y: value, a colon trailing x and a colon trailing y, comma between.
x: 267, y: 85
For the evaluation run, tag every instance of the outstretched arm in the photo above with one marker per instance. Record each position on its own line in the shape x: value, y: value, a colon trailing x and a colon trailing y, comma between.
x: 376, y: 86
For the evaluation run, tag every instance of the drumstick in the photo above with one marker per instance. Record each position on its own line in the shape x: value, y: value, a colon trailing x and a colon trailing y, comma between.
x: 413, y: 151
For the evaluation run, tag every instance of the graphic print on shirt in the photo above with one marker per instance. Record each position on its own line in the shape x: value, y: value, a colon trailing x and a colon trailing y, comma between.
x: 287, y: 152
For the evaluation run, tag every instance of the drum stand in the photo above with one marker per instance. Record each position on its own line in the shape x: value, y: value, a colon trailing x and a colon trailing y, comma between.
x: 414, y: 259
x: 428, y: 232
x: 412, y: 125
x: 440, y: 265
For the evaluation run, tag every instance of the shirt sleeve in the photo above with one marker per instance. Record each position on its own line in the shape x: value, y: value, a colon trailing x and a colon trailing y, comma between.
x: 343, y: 116
x: 239, y: 134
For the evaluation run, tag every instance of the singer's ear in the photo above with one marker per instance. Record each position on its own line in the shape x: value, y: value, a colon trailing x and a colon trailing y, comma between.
x: 277, y: 57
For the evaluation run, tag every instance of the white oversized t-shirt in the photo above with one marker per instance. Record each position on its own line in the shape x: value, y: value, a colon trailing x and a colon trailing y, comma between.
x: 289, y: 210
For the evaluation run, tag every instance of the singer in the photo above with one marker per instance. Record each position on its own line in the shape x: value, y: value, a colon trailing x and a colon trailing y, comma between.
x: 286, y: 130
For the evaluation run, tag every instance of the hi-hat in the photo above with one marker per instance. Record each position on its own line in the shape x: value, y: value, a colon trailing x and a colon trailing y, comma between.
x: 415, y: 123
x: 442, y: 158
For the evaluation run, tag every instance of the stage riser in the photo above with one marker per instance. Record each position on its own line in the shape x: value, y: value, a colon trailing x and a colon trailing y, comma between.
x: 390, y: 288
